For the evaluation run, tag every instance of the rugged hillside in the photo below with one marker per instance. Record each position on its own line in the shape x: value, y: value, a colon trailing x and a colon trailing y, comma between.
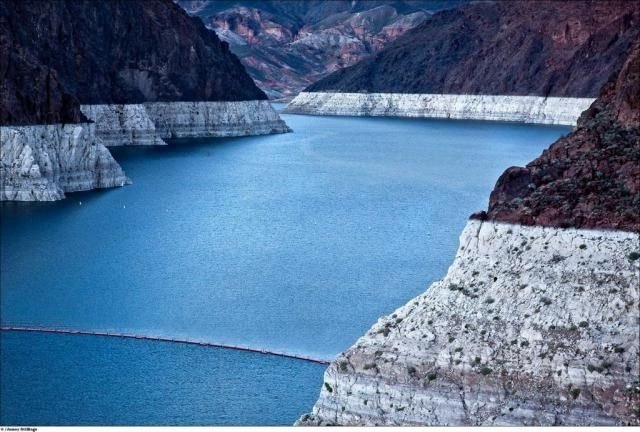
x: 532, y: 325
x: 286, y: 45
x: 55, y: 54
x: 544, y: 48
x: 76, y: 75
x: 590, y: 179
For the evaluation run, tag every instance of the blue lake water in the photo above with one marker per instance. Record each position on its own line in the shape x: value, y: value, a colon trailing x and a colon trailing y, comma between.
x: 294, y: 242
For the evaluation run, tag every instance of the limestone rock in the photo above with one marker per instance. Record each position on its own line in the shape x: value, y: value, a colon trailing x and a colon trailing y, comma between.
x: 526, y: 109
x: 42, y: 162
x: 530, y: 326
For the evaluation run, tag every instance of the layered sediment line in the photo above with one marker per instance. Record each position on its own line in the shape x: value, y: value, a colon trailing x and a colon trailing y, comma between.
x: 215, y: 119
x: 151, y: 123
x: 531, y: 325
x: 43, y: 162
x: 123, y: 124
x: 524, y: 109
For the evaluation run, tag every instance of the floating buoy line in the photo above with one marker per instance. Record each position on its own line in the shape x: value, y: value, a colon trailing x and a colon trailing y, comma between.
x: 164, y: 339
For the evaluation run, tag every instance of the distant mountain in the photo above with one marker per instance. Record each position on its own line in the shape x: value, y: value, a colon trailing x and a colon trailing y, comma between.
x: 55, y: 55
x: 287, y: 45
x: 545, y: 48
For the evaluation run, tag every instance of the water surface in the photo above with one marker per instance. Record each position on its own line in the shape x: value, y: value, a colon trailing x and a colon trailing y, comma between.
x: 294, y: 242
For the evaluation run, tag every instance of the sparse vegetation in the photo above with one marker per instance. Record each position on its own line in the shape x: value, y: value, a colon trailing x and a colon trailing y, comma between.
x: 328, y: 387
x: 575, y: 393
x: 431, y: 376
x: 486, y: 371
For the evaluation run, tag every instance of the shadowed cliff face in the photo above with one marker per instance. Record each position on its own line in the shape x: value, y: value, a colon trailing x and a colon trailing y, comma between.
x: 287, y: 45
x: 545, y: 48
x: 590, y: 179
x: 54, y: 55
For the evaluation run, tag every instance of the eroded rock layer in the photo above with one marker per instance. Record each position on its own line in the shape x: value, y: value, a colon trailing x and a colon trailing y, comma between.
x: 526, y: 109
x: 42, y: 162
x: 214, y: 119
x: 151, y: 123
x: 126, y: 124
x: 531, y: 325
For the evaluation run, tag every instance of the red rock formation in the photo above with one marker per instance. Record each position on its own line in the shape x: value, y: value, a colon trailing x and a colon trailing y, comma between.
x: 287, y: 45
x: 589, y: 179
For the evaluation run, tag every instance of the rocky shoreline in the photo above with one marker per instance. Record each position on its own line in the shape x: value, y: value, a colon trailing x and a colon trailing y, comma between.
x: 151, y: 123
x: 43, y: 162
x: 524, y: 109
x: 530, y: 326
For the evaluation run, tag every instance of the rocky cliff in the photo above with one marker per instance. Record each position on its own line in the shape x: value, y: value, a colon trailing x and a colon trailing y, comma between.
x: 537, y: 321
x: 524, y: 109
x: 542, y: 48
x: 126, y: 65
x: 287, y: 45
x: 42, y: 162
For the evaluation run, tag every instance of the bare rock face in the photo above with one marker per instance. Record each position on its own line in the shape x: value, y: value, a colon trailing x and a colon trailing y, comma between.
x: 542, y: 48
x: 123, y: 124
x: 215, y: 119
x: 530, y: 326
x: 590, y: 179
x: 287, y: 45
x: 42, y: 162
x: 524, y: 109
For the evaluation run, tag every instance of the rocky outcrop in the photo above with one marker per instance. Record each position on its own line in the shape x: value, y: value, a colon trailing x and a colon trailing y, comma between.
x: 42, y: 162
x: 287, y: 45
x: 590, y: 179
x: 542, y: 48
x: 530, y: 326
x: 526, y: 109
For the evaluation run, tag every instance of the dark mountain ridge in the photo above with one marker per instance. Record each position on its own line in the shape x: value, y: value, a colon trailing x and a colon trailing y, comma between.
x: 545, y: 48
x: 55, y: 55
